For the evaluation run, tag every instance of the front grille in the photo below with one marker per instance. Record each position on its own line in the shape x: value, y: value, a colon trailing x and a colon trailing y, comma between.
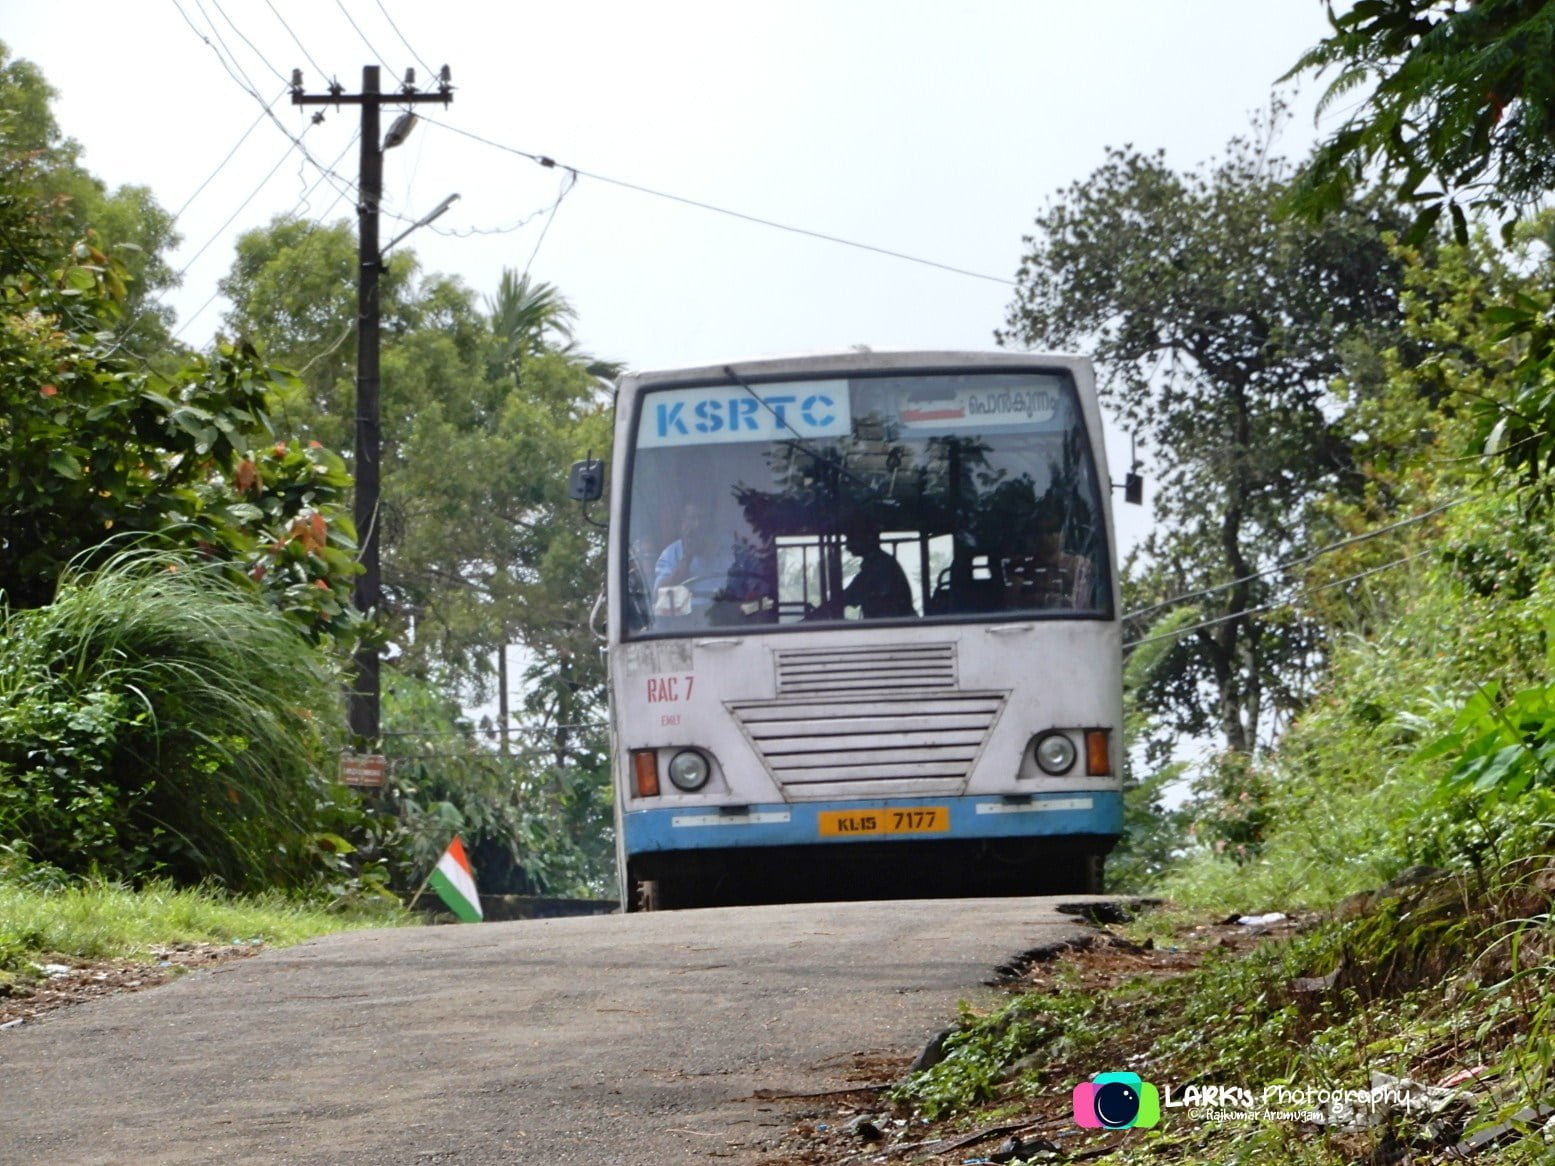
x: 856, y: 747
x: 872, y: 670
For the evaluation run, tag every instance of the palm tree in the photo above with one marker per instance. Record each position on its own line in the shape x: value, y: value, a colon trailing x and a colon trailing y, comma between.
x: 528, y: 319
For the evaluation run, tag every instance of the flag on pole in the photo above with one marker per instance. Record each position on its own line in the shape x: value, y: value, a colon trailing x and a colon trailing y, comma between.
x: 454, y: 883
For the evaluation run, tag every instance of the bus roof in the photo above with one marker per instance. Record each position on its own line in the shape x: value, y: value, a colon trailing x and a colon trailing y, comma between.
x: 852, y: 360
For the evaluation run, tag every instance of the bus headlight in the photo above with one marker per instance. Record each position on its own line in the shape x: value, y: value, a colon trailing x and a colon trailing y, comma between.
x: 1055, y: 754
x: 689, y: 770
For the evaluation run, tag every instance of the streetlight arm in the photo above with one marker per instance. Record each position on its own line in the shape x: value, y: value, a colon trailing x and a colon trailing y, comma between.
x: 419, y: 223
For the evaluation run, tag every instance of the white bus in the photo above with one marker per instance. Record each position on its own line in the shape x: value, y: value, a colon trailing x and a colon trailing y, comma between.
x: 863, y: 629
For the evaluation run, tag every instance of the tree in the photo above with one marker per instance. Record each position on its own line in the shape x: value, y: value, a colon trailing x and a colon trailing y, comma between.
x: 526, y: 320
x: 126, y: 224
x: 534, y: 319
x: 1217, y: 329
x: 100, y: 445
x: 1461, y: 97
x: 482, y: 411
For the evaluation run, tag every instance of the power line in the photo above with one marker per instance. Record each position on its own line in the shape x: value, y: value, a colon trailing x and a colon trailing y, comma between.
x: 571, y: 181
x: 246, y: 81
x: 334, y: 344
x: 513, y: 730
x: 431, y: 72
x: 124, y: 333
x: 379, y: 57
x: 301, y: 206
x: 467, y: 232
x: 281, y: 161
x: 1172, y: 635
x: 242, y: 35
x: 206, y: 246
x: 551, y: 163
x: 222, y: 164
x: 301, y: 202
x: 297, y: 40
x: 1278, y: 567
x: 248, y: 87
x: 397, y: 763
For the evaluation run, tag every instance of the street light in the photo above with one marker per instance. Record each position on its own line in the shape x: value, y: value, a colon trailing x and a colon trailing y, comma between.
x: 421, y: 222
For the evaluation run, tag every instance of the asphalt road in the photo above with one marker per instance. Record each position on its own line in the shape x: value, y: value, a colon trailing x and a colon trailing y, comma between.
x: 637, y: 1040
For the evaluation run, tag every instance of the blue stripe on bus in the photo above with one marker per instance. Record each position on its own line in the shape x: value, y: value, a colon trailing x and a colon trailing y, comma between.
x: 797, y: 823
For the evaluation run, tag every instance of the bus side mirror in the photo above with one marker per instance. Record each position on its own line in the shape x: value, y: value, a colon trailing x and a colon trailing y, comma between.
x: 586, y: 482
x: 1134, y: 488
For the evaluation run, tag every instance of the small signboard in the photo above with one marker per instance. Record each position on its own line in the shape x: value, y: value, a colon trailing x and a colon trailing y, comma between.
x: 363, y: 770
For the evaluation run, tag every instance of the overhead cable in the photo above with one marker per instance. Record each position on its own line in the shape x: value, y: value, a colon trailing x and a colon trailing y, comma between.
x: 297, y: 40
x: 1278, y: 567
x: 545, y: 161
x: 567, y: 185
x: 431, y: 72
x: 512, y: 730
x: 376, y: 54
x: 248, y: 87
x: 216, y: 4
x: 300, y: 203
x: 281, y: 161
x: 222, y: 164
x: 1175, y: 633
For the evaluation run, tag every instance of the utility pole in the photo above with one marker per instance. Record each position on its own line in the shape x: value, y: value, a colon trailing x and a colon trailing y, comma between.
x: 367, y: 596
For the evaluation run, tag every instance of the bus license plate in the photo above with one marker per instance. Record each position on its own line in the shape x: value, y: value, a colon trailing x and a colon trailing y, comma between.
x: 912, y: 820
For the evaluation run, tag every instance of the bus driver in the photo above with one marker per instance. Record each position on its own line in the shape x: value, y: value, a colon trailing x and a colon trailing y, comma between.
x: 692, y: 569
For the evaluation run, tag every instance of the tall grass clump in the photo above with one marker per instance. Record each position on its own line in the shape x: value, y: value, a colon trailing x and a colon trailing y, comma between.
x: 160, y: 719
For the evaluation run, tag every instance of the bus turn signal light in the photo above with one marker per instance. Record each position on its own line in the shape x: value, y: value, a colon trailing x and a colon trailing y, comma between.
x: 645, y: 770
x: 1097, y: 762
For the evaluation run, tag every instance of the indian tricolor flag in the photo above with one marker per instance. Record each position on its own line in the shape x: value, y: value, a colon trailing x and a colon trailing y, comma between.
x: 454, y: 883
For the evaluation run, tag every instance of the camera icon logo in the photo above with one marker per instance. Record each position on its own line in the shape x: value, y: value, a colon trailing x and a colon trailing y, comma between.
x: 1116, y: 1101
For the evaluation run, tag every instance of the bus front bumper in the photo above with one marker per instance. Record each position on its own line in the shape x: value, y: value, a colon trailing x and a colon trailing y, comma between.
x: 1056, y: 815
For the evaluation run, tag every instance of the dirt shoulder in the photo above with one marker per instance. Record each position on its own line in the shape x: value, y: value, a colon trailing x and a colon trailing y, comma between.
x: 864, y: 1126
x: 55, y: 982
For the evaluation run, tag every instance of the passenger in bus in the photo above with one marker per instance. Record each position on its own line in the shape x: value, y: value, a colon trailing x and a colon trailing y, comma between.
x: 880, y: 589
x: 1052, y: 577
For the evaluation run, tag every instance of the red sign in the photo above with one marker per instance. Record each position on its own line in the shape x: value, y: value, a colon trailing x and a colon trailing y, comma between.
x: 362, y: 769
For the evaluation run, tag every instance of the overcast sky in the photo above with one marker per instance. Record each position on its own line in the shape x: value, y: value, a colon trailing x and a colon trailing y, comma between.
x: 932, y: 129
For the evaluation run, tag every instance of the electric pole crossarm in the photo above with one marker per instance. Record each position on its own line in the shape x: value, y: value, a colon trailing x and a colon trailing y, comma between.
x: 373, y: 98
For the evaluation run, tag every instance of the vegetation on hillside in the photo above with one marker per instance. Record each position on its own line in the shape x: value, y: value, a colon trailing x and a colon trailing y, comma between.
x: 176, y: 557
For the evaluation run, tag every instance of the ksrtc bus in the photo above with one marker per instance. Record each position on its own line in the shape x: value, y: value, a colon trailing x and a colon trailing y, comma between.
x: 863, y: 629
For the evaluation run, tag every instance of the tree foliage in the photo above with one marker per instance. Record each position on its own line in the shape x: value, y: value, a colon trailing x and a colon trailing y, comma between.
x: 482, y: 410
x: 1460, y: 109
x: 1461, y: 97
x: 1217, y: 329
x: 479, y: 546
x: 126, y: 224
x: 101, y: 445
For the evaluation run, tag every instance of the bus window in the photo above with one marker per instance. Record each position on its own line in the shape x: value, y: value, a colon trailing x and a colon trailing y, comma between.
x: 876, y: 498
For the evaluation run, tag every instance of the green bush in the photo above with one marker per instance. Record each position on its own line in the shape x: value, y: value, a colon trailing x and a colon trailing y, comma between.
x: 529, y: 829
x: 159, y: 718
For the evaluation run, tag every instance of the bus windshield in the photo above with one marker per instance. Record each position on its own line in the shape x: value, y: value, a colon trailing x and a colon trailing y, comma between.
x: 955, y: 496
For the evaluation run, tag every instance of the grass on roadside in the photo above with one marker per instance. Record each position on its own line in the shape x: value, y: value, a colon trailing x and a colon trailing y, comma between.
x: 1436, y: 982
x: 98, y: 920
